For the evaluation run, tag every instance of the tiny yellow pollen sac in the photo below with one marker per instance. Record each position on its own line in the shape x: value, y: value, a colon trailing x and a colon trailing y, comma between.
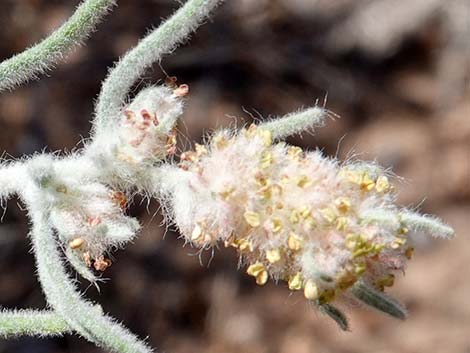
x: 367, y: 184
x: 294, y: 217
x: 403, y: 231
x: 295, y: 282
x: 273, y: 255
x: 303, y: 181
x: 76, y: 243
x: 220, y: 141
x: 295, y: 153
x: 309, y: 223
x: 201, y: 150
x: 341, y: 223
x: 360, y: 268
x: 328, y: 214
x: 243, y: 244
x: 311, y: 290
x: 304, y: 212
x: 294, y: 242
x: 226, y: 192
x: 397, y: 243
x: 266, y: 160
x: 382, y: 184
x: 343, y: 204
x: 276, y: 225
x: 196, y: 233
x: 258, y: 270
x: 255, y: 269
x: 252, y: 218
x: 265, y: 192
x: 262, y: 278
x: 267, y: 137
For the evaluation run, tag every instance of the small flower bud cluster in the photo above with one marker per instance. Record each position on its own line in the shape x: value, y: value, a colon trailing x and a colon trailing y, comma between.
x: 90, y: 220
x: 293, y: 216
x: 145, y: 134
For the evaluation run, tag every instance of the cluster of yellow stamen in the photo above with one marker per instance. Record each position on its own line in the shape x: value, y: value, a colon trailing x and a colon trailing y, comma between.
x: 293, y: 216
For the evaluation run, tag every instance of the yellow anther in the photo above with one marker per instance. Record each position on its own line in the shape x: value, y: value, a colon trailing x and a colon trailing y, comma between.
x: 279, y: 205
x: 397, y: 243
x: 309, y: 223
x: 276, y: 225
x: 304, y: 212
x: 382, y: 184
x: 285, y: 179
x: 403, y: 231
x: 201, y: 150
x: 258, y: 270
x: 360, y: 268
x: 367, y: 184
x: 303, y: 181
x: 360, y: 252
x: 266, y: 160
x: 294, y: 242
x: 295, y: 153
x: 252, y: 218
x: 267, y: 137
x: 343, y: 204
x: 261, y: 179
x: 244, y: 244
x: 196, y: 233
x: 328, y: 214
x: 227, y: 192
x: 294, y: 217
x: 326, y: 296
x: 409, y: 252
x: 341, y: 223
x: 262, y: 278
x: 273, y: 255
x: 220, y: 141
x: 295, y: 282
x: 255, y: 269
x: 76, y: 243
x: 265, y: 192
x: 311, y: 290
x: 377, y: 248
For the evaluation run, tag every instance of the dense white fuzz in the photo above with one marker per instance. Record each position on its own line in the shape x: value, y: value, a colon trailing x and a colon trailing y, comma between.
x: 82, y: 316
x: 143, y: 136
x: 295, y: 216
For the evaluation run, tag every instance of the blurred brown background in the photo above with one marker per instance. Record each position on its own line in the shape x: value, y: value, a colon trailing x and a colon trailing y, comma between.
x: 397, y: 72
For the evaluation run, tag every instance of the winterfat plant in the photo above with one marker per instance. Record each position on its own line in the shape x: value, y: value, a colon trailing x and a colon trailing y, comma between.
x: 326, y: 228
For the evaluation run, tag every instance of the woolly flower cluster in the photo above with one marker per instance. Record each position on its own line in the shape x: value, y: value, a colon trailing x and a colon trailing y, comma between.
x: 145, y: 134
x: 294, y: 216
x: 89, y: 217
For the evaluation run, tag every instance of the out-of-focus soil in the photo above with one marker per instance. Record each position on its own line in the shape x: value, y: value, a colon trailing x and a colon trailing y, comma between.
x: 397, y: 75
